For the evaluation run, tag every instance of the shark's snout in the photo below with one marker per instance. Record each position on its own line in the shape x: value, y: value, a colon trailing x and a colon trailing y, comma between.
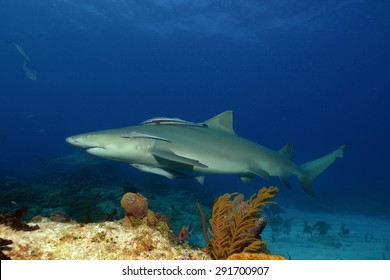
x: 81, y: 141
x: 76, y: 141
x: 71, y: 140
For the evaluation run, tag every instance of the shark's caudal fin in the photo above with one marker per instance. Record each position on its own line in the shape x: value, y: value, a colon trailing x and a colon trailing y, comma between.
x: 312, y: 169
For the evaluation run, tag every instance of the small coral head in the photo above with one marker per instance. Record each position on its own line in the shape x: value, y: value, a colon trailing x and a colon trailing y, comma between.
x: 134, y: 205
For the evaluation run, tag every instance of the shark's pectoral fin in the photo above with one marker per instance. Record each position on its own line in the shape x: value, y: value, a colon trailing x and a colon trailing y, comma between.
x: 171, y: 156
x: 285, y: 181
x: 155, y: 170
x: 200, y: 180
x: 170, y: 174
x: 260, y: 172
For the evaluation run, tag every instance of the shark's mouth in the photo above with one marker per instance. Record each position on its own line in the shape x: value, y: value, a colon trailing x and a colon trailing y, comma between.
x: 87, y: 146
x: 94, y: 149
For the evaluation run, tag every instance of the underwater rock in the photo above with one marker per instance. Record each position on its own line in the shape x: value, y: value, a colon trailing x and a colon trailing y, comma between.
x: 36, y: 219
x: 3, y: 246
x: 60, y: 217
x: 134, y: 204
x: 151, y: 218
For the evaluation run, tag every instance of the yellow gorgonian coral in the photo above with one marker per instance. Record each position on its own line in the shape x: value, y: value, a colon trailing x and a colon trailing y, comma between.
x: 234, y: 223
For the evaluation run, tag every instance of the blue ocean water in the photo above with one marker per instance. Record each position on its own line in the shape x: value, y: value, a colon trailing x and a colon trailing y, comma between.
x: 314, y: 73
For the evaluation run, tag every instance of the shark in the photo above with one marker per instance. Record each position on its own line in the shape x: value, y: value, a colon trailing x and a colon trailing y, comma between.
x: 172, y: 147
x: 20, y: 49
x: 30, y: 74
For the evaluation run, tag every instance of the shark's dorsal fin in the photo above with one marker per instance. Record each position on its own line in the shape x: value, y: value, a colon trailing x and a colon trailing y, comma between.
x: 223, y: 121
x: 286, y: 150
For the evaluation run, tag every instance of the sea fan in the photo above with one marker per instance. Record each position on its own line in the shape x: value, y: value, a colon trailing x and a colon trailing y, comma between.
x: 232, y: 222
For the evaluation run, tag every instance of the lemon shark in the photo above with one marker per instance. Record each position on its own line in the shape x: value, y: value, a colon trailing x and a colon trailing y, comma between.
x: 172, y: 147
x: 32, y: 75
x: 20, y: 49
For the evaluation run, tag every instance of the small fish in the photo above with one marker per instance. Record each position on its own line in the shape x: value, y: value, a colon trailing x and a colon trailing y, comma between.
x: 32, y: 75
x: 184, y: 234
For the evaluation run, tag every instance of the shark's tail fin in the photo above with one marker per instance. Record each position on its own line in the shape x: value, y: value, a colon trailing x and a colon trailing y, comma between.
x: 44, y: 160
x: 312, y: 169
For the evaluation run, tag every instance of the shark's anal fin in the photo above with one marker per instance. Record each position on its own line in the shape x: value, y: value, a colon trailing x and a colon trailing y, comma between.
x: 171, y: 156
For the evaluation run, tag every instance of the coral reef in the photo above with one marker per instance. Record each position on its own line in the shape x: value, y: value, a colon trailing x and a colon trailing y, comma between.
x: 319, y: 234
x: 3, y: 246
x: 12, y: 219
x: 60, y: 217
x: 321, y: 228
x: 115, y: 240
x: 344, y: 231
x: 235, y: 224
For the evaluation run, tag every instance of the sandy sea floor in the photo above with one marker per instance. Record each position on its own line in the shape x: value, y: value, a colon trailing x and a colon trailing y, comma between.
x: 368, y: 238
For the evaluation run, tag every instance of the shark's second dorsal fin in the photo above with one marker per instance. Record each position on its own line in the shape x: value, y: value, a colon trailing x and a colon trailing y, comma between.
x: 223, y: 121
